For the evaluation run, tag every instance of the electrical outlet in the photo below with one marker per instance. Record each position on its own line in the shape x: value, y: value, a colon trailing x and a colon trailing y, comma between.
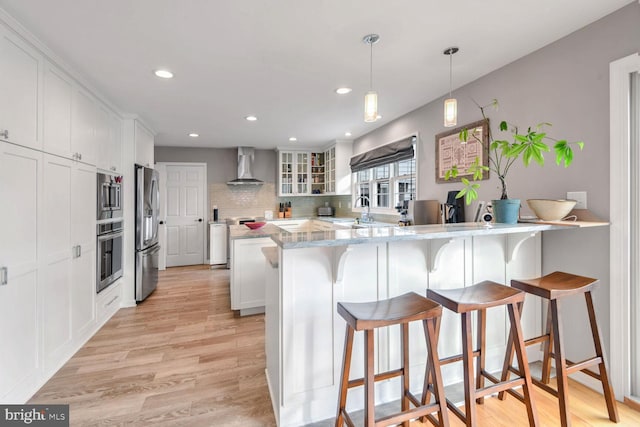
x: 580, y: 197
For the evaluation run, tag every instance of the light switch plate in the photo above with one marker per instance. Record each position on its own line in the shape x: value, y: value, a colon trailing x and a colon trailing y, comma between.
x: 580, y: 197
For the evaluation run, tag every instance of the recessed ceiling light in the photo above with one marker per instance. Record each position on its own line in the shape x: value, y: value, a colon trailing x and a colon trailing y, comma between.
x: 343, y: 90
x: 164, y: 74
x: 194, y: 135
x: 251, y: 118
x: 293, y: 139
x: 347, y: 134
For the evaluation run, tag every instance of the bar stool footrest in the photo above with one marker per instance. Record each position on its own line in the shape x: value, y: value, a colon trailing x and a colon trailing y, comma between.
x: 582, y: 366
x: 378, y: 377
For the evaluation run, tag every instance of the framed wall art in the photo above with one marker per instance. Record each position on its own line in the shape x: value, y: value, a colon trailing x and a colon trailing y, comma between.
x: 450, y: 151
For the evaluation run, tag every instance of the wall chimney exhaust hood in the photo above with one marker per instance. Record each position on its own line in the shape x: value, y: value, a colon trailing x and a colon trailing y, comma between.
x: 245, y: 168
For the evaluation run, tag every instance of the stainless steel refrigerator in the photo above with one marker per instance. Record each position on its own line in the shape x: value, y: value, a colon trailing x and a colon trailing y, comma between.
x: 147, y: 246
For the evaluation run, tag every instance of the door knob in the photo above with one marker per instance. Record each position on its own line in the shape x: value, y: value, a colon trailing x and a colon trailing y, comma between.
x: 161, y: 222
x: 199, y: 220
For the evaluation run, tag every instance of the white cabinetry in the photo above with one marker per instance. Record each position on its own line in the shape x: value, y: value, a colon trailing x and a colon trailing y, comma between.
x: 20, y: 192
x: 337, y: 169
x: 68, y: 269
x: 144, y: 145
x: 20, y: 78
x: 57, y: 96
x: 325, y: 172
x: 83, y: 127
x: 247, y: 274
x: 114, y: 145
x: 293, y: 175
x: 217, y: 244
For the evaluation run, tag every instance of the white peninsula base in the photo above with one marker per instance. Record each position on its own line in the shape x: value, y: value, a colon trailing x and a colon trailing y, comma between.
x: 305, y: 335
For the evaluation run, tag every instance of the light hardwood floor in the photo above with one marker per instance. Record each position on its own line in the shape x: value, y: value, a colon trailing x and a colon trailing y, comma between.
x: 182, y: 358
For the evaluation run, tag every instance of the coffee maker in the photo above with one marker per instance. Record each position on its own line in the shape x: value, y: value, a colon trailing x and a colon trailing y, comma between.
x: 454, y: 208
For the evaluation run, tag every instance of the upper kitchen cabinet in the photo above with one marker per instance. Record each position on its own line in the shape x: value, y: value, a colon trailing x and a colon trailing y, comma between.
x: 57, y: 96
x: 144, y: 145
x: 293, y: 173
x: 315, y: 172
x: 337, y: 169
x: 84, y: 141
x: 109, y: 139
x: 20, y: 77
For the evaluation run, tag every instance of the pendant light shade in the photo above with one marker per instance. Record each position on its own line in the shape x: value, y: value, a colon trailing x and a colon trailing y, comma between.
x: 371, y: 106
x: 450, y: 104
x: 450, y: 112
x: 371, y: 97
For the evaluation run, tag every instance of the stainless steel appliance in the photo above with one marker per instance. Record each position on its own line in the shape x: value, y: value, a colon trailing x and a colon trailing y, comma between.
x: 147, y: 246
x: 109, y: 253
x: 423, y: 212
x: 109, y: 197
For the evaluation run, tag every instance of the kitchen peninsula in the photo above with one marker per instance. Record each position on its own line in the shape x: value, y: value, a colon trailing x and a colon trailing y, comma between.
x: 314, y: 270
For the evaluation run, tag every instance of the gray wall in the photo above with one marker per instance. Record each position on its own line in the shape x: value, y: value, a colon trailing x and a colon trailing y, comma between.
x: 567, y: 84
x: 222, y: 163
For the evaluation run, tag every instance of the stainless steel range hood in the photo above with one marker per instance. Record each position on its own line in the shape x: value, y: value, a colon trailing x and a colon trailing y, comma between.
x: 245, y: 168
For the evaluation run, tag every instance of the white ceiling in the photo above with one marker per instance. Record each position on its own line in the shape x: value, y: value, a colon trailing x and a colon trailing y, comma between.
x: 281, y: 60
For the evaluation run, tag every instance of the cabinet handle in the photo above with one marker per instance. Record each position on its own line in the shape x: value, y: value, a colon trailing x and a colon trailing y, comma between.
x: 113, y: 168
x: 79, y: 156
x: 4, y: 276
x: 5, y: 134
x: 114, y: 299
x: 79, y: 250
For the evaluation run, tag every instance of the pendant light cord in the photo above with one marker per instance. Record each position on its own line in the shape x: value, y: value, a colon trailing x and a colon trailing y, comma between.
x: 450, y: 72
x: 371, y: 66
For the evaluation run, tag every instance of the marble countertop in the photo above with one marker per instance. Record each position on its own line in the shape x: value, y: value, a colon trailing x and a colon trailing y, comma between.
x: 343, y: 237
x: 244, y: 232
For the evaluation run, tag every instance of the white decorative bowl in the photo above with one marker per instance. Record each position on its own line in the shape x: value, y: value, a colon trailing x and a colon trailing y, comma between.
x: 551, y: 210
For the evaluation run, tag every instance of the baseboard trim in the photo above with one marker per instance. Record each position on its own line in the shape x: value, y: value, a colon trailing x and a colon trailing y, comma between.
x: 632, y: 403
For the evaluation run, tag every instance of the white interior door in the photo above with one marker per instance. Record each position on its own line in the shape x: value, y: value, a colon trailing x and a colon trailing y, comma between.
x: 185, y: 216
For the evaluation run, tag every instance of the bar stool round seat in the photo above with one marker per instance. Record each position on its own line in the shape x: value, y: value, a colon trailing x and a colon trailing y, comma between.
x: 553, y: 287
x: 368, y: 316
x: 478, y: 298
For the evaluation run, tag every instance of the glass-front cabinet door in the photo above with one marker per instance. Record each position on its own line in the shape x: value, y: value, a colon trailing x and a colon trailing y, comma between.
x: 302, y: 173
x: 286, y: 173
x: 330, y: 170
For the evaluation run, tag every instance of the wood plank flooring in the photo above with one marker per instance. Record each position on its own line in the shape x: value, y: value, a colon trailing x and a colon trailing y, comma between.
x: 183, y: 359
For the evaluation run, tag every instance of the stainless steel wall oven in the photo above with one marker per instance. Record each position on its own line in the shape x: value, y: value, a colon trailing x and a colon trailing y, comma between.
x: 109, y: 253
x: 109, y: 196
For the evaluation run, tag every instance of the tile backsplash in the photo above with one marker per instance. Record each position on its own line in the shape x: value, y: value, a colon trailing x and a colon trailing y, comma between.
x: 248, y: 200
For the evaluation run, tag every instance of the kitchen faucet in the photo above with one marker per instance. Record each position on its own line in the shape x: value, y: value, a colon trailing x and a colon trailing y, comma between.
x: 365, y: 216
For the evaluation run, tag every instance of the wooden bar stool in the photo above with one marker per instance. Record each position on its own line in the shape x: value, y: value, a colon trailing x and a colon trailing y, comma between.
x: 554, y: 287
x: 394, y: 311
x: 479, y: 298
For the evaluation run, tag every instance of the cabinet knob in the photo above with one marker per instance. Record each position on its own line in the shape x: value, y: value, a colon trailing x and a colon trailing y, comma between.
x: 4, y: 276
x: 4, y: 134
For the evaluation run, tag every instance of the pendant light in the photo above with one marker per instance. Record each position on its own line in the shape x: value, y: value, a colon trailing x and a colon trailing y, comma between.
x: 371, y: 97
x: 450, y: 104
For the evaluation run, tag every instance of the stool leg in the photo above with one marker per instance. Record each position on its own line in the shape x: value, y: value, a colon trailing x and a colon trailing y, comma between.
x: 432, y: 329
x: 405, y: 370
x: 426, y: 393
x: 482, y: 337
x: 344, y: 376
x: 508, y: 357
x: 561, y: 365
x: 467, y: 362
x: 523, y: 363
x: 369, y: 380
x: 604, y: 377
x: 548, y: 348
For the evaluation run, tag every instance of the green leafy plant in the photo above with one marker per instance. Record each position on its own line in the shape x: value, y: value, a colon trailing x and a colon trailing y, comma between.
x: 529, y: 145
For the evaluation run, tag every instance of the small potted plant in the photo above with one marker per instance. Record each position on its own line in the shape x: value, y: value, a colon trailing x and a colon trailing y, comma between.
x: 503, y: 153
